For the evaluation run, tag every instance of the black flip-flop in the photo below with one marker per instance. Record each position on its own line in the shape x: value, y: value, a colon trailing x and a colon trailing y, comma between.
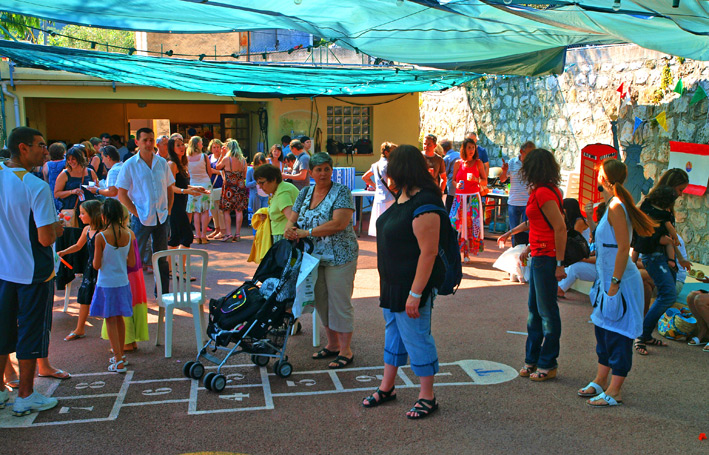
x: 325, y: 353
x: 340, y: 362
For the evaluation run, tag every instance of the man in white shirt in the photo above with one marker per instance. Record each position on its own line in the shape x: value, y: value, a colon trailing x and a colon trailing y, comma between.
x: 28, y: 228
x: 161, y: 144
x: 114, y: 164
x: 519, y: 194
x: 145, y: 186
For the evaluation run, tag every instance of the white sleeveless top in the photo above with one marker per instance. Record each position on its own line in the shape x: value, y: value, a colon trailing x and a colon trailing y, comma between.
x: 114, y: 266
x: 198, y: 172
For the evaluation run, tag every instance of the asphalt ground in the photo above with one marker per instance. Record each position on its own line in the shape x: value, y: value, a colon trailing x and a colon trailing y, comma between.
x: 155, y: 410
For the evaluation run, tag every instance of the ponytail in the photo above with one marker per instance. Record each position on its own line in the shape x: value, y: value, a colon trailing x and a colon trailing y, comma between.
x: 615, y: 172
x: 642, y: 224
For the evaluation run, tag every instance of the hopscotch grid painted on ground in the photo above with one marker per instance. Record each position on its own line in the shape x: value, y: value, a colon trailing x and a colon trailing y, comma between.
x: 480, y: 372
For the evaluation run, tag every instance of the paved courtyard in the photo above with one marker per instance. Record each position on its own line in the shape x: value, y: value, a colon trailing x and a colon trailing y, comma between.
x: 485, y: 406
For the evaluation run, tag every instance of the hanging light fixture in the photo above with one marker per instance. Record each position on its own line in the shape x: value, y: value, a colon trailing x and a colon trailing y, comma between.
x: 616, y: 5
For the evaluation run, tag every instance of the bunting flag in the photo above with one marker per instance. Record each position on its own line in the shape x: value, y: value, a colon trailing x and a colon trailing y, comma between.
x: 699, y: 95
x: 662, y: 120
x: 638, y: 122
x: 679, y: 88
x: 621, y: 90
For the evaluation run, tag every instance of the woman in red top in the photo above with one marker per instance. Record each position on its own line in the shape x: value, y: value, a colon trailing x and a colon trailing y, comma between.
x: 466, y: 212
x: 547, y: 242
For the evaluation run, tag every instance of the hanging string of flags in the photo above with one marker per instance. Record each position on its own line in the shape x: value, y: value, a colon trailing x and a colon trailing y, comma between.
x: 661, y: 118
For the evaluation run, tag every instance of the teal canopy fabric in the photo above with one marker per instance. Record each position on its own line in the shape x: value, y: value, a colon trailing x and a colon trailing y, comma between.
x: 477, y: 35
x: 233, y: 79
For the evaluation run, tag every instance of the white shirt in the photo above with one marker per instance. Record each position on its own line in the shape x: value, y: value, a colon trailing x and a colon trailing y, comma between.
x: 112, y: 176
x: 519, y: 194
x: 147, y: 187
x: 26, y: 204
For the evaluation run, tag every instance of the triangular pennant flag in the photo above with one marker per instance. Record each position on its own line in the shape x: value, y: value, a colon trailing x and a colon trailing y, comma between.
x: 699, y: 95
x: 638, y: 122
x: 662, y: 120
x: 621, y: 90
x: 679, y: 88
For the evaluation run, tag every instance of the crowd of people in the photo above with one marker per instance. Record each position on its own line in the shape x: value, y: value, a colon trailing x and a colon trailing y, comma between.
x: 152, y: 199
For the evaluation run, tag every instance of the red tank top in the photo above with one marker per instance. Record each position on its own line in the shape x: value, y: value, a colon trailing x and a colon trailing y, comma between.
x: 470, y: 175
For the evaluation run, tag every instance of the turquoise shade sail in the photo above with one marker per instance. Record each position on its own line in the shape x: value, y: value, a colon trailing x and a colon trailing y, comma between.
x: 233, y: 79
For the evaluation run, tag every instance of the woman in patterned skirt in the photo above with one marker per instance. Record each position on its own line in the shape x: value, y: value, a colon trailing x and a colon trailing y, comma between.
x: 235, y: 195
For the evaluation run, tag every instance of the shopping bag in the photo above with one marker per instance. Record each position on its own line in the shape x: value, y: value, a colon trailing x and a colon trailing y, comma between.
x: 305, y: 285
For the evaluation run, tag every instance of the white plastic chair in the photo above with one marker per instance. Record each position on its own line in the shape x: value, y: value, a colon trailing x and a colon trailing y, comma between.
x: 181, y: 295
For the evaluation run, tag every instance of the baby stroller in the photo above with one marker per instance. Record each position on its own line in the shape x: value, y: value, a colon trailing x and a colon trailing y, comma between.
x: 254, y: 317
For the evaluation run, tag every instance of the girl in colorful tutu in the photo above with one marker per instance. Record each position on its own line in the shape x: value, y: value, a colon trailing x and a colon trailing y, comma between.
x: 136, y: 325
x: 113, y: 299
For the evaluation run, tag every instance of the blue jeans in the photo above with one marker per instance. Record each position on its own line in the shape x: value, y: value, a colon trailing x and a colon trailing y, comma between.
x: 543, y: 322
x: 158, y: 234
x: 406, y: 337
x: 664, y: 278
x: 515, y: 214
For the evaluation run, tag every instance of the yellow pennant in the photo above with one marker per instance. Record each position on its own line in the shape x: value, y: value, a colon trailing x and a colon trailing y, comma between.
x: 662, y: 120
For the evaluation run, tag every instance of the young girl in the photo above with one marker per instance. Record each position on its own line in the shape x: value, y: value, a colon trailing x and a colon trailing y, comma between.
x: 136, y: 325
x: 663, y: 199
x: 90, y: 215
x: 113, y: 299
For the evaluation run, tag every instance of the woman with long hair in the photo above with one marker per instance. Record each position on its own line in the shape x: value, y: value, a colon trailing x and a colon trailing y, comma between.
x: 467, y: 211
x: 407, y: 246
x: 617, y: 294
x: 276, y: 157
x: 180, y: 228
x: 235, y: 195
x: 547, y: 242
x: 216, y: 149
x: 200, y: 171
x: 654, y: 258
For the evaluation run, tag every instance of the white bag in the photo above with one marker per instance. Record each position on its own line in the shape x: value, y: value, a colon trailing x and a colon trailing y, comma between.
x: 509, y: 261
x: 305, y: 285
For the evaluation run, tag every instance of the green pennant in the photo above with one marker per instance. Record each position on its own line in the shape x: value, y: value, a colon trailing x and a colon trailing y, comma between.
x: 679, y: 88
x: 699, y: 95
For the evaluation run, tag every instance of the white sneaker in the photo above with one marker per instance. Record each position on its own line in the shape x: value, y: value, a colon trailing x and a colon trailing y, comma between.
x: 34, y: 402
x: 4, y: 396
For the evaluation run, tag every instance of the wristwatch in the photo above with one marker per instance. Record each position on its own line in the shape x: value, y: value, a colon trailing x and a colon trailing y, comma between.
x: 310, y: 232
x: 615, y: 280
x: 559, y: 263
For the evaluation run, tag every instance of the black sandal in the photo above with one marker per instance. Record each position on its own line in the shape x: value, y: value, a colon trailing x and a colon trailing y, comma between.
x: 340, y: 362
x: 325, y: 353
x: 655, y: 342
x: 425, y: 408
x: 640, y: 347
x: 383, y: 398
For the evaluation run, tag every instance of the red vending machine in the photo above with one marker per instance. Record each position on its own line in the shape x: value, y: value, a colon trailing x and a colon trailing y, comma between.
x: 591, y: 157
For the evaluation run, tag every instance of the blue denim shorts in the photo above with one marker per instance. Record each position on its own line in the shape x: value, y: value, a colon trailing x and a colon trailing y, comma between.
x: 406, y: 337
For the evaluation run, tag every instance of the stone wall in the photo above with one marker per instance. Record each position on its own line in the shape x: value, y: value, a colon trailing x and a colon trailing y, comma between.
x: 566, y: 112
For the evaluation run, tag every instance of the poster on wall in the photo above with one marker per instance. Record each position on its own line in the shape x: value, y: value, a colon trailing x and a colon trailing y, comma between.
x: 694, y: 159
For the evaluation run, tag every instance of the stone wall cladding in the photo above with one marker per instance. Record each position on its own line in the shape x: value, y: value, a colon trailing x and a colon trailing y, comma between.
x: 564, y: 113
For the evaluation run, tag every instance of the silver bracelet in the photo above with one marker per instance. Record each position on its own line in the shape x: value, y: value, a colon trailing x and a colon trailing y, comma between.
x: 415, y: 295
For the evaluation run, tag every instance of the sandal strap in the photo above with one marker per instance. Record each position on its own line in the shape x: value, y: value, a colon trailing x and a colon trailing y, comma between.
x: 426, y: 405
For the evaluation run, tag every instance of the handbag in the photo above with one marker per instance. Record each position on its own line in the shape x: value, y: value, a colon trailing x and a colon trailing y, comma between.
x: 577, y: 247
x: 68, y: 216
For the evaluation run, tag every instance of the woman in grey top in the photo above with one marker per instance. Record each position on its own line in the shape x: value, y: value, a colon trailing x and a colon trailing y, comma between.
x: 323, y: 212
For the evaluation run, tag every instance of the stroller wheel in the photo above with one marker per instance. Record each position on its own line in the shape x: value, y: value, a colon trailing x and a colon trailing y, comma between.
x: 218, y: 383
x: 260, y: 360
x: 196, y: 371
x: 186, y: 369
x: 284, y: 369
x: 208, y: 380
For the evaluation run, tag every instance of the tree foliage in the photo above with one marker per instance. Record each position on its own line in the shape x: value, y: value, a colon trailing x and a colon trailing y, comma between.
x: 21, y: 27
x: 82, y: 38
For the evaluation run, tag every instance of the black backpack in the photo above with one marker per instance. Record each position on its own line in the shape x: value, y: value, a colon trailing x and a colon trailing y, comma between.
x: 577, y: 247
x: 448, y: 259
x: 238, y: 306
